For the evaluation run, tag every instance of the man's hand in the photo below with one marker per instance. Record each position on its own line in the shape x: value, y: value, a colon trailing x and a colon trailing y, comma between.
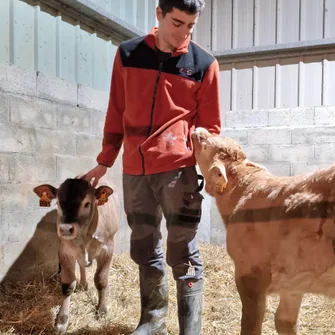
x: 95, y: 174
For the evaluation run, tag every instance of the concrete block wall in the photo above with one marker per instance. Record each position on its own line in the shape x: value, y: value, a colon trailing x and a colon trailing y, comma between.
x: 288, y: 142
x: 50, y: 130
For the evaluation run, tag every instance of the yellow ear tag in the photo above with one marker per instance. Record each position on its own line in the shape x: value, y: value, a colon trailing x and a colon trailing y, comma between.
x: 221, y: 184
x: 103, y: 199
x: 44, y: 200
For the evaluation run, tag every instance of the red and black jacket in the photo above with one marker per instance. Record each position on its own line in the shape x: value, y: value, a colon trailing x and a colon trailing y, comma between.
x: 155, y: 105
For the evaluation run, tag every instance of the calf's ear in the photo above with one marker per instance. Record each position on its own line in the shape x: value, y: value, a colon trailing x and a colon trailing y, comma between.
x: 217, y: 179
x: 102, y: 193
x: 46, y: 193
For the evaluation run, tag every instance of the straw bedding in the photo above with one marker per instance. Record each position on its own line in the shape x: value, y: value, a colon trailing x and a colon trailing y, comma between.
x: 31, y: 308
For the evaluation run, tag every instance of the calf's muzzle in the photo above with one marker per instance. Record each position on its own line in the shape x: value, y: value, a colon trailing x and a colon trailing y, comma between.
x: 67, y: 231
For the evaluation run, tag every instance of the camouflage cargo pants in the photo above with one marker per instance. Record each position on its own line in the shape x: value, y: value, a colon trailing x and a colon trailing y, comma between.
x: 174, y: 194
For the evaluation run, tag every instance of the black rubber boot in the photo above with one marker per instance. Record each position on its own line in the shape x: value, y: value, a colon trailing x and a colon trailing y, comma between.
x: 189, y: 298
x: 154, y: 305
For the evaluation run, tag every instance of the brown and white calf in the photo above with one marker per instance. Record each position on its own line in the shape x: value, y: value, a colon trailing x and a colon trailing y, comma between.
x: 87, y: 220
x: 280, y: 230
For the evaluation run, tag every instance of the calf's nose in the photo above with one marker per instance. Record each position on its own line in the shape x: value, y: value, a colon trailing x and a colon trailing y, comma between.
x: 200, y: 134
x: 66, y: 230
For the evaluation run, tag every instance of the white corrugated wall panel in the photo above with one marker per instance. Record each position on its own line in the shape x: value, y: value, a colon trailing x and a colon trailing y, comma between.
x: 67, y: 50
x: 38, y: 38
x: 329, y: 80
x: 279, y: 83
x: 46, y: 42
x: 118, y: 8
x: 101, y: 64
x: 151, y: 7
x: 24, y: 39
x: 242, y: 86
x: 5, y: 45
x: 329, y: 18
x: 287, y: 79
x: 142, y: 16
x: 139, y: 13
x: 288, y: 21
x: 85, y: 54
x: 225, y: 87
x: 222, y: 24
x: 202, y: 33
x: 265, y: 79
x: 243, y: 23
x: 311, y: 20
x: 131, y: 11
x: 310, y: 81
x: 265, y: 22
x: 105, y: 4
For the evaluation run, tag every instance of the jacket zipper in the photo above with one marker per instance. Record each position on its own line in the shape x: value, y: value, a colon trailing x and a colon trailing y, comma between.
x: 185, y: 136
x: 152, y: 111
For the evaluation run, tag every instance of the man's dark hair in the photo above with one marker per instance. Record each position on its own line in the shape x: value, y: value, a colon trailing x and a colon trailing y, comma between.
x: 189, y: 6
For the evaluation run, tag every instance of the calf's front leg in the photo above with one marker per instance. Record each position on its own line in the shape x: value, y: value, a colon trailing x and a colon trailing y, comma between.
x: 101, y: 278
x: 252, y: 291
x: 82, y: 260
x: 287, y: 313
x: 68, y: 284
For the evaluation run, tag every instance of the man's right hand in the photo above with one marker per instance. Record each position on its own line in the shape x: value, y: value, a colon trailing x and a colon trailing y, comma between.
x: 95, y: 174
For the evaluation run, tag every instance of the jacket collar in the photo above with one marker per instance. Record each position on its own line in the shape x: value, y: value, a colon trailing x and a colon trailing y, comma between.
x: 150, y: 39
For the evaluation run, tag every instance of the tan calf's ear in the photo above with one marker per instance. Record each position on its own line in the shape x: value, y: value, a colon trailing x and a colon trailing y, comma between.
x: 217, y: 179
x: 102, y: 193
x: 46, y: 193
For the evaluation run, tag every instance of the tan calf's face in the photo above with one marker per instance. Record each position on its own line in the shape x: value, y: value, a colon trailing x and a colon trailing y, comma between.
x: 214, y: 154
x: 76, y: 200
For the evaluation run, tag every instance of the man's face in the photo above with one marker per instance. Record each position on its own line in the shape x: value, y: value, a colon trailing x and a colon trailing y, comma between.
x: 175, y: 27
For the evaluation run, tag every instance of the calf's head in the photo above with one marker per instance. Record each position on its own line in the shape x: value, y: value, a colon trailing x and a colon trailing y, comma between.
x: 77, y: 200
x: 217, y: 156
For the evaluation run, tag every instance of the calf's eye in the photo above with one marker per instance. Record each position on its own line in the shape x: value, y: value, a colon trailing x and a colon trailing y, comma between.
x: 87, y: 205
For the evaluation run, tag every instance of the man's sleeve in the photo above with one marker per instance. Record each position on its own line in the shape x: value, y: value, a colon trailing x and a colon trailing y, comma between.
x: 113, y: 129
x: 209, y: 100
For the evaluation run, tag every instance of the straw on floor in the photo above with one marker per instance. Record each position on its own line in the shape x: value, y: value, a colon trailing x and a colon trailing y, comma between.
x: 31, y: 308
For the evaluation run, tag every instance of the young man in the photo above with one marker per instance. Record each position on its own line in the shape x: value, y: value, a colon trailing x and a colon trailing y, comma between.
x: 163, y: 86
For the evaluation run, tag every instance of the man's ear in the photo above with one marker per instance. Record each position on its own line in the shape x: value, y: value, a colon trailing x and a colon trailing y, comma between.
x: 217, y: 179
x: 102, y: 193
x: 159, y: 14
x: 46, y: 193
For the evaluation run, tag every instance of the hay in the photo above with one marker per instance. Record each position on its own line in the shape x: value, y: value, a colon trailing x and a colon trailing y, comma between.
x: 31, y: 308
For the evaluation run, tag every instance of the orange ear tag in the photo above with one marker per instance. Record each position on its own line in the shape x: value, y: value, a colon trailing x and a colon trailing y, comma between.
x: 103, y: 199
x: 44, y: 200
x: 221, y: 184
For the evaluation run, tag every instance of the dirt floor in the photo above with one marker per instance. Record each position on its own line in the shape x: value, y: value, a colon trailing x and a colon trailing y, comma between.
x: 31, y: 308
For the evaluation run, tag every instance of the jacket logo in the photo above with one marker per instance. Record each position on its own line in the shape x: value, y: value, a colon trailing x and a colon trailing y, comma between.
x: 187, y: 72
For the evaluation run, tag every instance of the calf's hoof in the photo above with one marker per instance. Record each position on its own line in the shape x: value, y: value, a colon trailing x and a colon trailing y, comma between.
x: 101, y: 312
x: 61, y: 324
